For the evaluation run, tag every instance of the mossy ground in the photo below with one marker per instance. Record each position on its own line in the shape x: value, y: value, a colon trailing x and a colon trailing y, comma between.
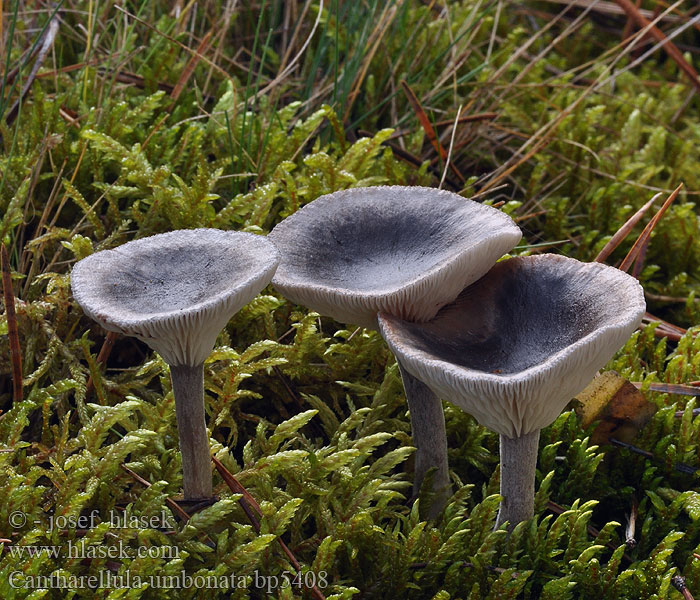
x: 147, y: 117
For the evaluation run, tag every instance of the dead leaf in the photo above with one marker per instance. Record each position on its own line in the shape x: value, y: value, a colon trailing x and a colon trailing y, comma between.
x: 619, y: 406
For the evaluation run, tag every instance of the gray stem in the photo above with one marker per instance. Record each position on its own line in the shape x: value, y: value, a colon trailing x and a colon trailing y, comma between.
x: 188, y: 389
x: 429, y: 438
x: 518, y: 462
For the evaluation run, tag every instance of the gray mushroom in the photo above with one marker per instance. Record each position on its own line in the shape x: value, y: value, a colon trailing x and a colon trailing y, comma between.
x: 515, y: 347
x: 405, y: 251
x: 176, y: 291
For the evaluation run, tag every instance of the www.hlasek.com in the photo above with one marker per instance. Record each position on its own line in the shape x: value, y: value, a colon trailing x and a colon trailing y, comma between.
x: 81, y: 550
x: 181, y: 580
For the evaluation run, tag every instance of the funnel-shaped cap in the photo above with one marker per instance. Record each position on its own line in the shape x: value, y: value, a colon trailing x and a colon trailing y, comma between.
x: 406, y: 251
x: 175, y: 291
x: 517, y: 345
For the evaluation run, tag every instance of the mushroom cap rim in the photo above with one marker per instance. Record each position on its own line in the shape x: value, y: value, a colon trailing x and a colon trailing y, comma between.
x: 433, y: 272
x: 450, y: 257
x: 501, y: 378
x: 385, y: 319
x: 109, y: 322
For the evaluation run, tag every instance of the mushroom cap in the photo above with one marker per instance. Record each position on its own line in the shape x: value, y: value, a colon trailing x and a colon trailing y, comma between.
x: 406, y: 251
x: 518, y: 344
x: 175, y: 291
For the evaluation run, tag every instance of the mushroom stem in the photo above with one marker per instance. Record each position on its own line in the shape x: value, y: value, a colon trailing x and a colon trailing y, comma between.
x: 518, y: 462
x: 188, y: 389
x: 430, y: 440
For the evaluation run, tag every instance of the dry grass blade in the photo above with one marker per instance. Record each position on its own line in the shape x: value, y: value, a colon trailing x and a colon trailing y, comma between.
x: 172, y: 40
x: 190, y: 67
x: 373, y: 43
x: 665, y: 298
x: 12, y: 331
x: 644, y: 236
x: 282, y: 75
x: 235, y: 485
x: 428, y: 126
x: 630, y: 540
x: 544, y: 135
x: 669, y: 388
x: 49, y: 36
x: 487, y: 116
x: 411, y: 159
x: 649, y: 318
x: 609, y: 8
x: 671, y: 49
x: 449, y: 151
x: 639, y: 261
x: 624, y: 231
x: 423, y: 119
x: 248, y: 501
x: 629, y: 23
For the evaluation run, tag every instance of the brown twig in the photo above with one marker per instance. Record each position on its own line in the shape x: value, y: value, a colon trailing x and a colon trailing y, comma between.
x: 169, y: 501
x: 12, y: 331
x: 464, y: 563
x: 557, y: 509
x: 629, y: 23
x: 680, y: 413
x: 671, y: 49
x: 680, y: 467
x: 664, y: 298
x: 250, y: 505
x: 609, y: 8
x: 678, y: 582
x: 664, y: 329
x: 102, y: 357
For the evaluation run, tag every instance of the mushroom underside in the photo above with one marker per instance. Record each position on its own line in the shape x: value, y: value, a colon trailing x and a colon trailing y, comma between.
x: 177, y: 290
x: 518, y: 344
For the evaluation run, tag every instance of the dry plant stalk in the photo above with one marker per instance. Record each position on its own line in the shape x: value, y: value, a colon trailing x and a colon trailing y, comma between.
x: 47, y: 40
x: 248, y: 503
x: 644, y: 236
x: 637, y: 253
x: 428, y: 127
x: 624, y: 231
x: 102, y: 357
x: 678, y: 582
x: 174, y: 506
x: 671, y: 49
x: 190, y: 67
x: 12, y: 331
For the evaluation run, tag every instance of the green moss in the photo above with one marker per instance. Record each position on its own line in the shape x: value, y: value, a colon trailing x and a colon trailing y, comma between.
x: 307, y: 414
